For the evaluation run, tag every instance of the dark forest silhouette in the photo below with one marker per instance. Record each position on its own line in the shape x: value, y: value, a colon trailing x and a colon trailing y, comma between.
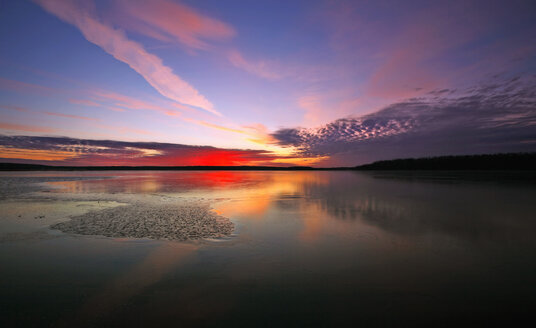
x: 506, y: 161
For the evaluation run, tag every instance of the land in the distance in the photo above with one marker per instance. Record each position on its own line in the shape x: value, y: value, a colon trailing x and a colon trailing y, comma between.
x: 504, y: 161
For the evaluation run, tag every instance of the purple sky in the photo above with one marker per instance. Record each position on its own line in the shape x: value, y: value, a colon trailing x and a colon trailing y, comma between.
x: 325, y: 83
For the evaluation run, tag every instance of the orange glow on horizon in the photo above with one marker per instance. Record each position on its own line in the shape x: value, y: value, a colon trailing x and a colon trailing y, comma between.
x: 302, y: 161
x: 35, y: 154
x: 110, y: 153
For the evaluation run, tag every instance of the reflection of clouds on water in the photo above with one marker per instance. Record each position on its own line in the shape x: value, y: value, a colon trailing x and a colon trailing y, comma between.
x: 414, y: 206
x: 341, y: 203
x: 319, y: 242
x: 165, y: 181
x: 476, y: 212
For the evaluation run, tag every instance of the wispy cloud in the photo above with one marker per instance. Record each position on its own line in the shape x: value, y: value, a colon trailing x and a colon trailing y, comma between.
x: 121, y: 101
x: 220, y: 127
x: 261, y: 68
x: 26, y: 128
x: 85, y: 102
x: 93, y: 122
x: 171, y: 22
x: 115, y: 42
x: 387, y: 53
x: 78, y: 117
x: 259, y: 134
x: 19, y: 86
x: 17, y: 108
x: 98, y: 98
x: 24, y: 109
x: 414, y: 61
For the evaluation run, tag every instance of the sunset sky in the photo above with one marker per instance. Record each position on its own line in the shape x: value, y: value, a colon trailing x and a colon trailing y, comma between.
x: 211, y: 82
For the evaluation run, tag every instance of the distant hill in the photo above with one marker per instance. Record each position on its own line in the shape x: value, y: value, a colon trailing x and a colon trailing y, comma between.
x: 508, y: 161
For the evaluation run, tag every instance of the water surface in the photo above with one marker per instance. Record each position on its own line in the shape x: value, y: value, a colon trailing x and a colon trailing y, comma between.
x: 309, y: 248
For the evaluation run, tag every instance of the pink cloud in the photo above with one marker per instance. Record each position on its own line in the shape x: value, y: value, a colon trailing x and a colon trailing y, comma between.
x: 120, y: 100
x: 174, y: 22
x: 259, y: 133
x: 91, y: 103
x: 102, y: 98
x: 115, y: 42
x: 261, y: 68
x: 169, y: 21
x: 71, y: 116
x: 23, y: 109
x: 411, y: 55
x: 85, y: 102
x: 115, y: 128
x: 413, y: 63
x: 19, y: 86
x: 26, y: 128
x: 17, y: 108
x: 314, y: 110
x: 325, y: 106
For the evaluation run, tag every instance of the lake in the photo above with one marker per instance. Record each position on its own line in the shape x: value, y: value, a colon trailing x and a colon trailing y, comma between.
x: 311, y: 248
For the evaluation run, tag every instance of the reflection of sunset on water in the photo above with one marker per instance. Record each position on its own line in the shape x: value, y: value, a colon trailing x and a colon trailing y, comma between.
x: 254, y: 202
x: 317, y: 205
x: 301, y: 239
x: 243, y: 194
x: 249, y: 196
x: 267, y: 163
x: 356, y: 208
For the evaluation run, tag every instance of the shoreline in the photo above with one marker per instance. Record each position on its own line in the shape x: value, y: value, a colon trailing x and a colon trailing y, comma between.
x: 157, y: 217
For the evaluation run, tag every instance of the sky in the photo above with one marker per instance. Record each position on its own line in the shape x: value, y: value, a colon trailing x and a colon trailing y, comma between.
x: 317, y: 83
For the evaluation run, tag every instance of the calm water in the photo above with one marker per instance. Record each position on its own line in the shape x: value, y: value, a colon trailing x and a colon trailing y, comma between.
x: 310, y: 248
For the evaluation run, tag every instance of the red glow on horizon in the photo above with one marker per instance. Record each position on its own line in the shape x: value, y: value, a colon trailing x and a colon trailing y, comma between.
x: 220, y: 158
x: 134, y: 157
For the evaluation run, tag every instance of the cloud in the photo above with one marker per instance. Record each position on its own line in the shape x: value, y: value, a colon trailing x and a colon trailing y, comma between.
x: 150, y: 67
x: 26, y: 128
x: 71, y: 116
x: 95, y: 122
x: 259, y: 134
x: 169, y: 22
x: 262, y: 69
x: 70, y: 151
x: 387, y: 53
x: 101, y: 98
x: 17, y: 108
x: 499, y: 116
x: 415, y: 58
x: 35, y: 154
x: 117, y: 102
x: 173, y: 22
x: 220, y: 127
x: 316, y: 105
x: 19, y: 86
x: 85, y: 102
x: 23, y: 109
x: 121, y: 101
